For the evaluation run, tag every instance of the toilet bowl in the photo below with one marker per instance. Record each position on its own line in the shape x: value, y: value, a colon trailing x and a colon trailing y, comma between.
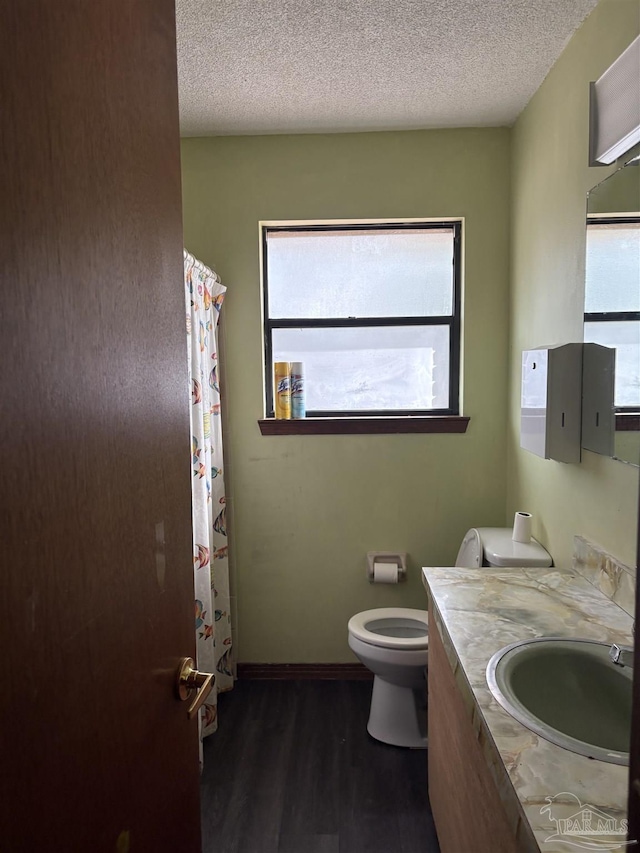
x: 393, y: 641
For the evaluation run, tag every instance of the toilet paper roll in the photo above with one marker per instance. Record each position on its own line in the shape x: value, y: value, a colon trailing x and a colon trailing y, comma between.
x: 522, y: 527
x: 385, y: 572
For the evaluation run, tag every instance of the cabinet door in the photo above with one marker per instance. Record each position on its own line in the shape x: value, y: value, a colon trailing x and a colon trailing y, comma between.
x: 467, y: 810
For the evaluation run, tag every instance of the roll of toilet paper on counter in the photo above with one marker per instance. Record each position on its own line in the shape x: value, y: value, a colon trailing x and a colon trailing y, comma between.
x: 385, y: 572
x: 522, y: 527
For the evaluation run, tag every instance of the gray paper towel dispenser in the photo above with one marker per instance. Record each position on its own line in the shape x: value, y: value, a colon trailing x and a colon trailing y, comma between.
x: 550, y: 422
x: 598, y: 406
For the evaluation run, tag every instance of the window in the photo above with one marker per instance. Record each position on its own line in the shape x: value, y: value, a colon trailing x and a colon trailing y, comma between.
x: 612, y: 300
x: 373, y: 311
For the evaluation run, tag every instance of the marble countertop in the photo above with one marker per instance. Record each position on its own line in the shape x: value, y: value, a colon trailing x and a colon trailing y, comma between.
x: 478, y: 612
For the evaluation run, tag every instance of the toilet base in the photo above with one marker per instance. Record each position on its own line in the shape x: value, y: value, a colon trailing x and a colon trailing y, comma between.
x: 398, y: 715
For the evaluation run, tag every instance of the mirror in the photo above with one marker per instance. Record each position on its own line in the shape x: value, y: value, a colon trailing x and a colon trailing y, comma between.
x: 612, y: 294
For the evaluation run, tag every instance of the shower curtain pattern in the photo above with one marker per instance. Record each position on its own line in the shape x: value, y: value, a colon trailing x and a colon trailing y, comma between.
x: 204, y: 296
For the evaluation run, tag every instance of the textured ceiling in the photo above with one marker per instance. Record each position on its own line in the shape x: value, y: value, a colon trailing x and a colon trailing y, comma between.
x: 298, y: 66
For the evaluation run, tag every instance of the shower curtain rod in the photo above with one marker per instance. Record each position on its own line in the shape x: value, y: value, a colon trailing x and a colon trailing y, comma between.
x: 200, y: 266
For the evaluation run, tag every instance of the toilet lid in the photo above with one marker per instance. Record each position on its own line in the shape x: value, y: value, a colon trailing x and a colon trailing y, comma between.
x: 391, y: 627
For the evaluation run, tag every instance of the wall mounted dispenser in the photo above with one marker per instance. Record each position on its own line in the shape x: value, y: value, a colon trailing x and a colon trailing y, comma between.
x: 598, y: 407
x: 380, y: 565
x: 550, y: 421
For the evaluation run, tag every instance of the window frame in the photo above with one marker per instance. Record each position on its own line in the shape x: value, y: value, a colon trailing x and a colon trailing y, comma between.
x: 453, y: 320
x: 613, y: 316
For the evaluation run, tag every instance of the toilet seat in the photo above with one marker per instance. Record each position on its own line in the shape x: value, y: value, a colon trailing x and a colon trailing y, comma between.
x: 391, y: 627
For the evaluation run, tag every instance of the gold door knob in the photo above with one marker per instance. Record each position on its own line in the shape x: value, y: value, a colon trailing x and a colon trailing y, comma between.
x: 188, y: 680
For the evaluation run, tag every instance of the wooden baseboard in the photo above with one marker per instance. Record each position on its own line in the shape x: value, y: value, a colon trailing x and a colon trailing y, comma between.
x: 292, y: 671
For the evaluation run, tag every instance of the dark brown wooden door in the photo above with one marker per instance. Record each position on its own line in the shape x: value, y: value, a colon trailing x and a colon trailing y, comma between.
x: 96, y: 606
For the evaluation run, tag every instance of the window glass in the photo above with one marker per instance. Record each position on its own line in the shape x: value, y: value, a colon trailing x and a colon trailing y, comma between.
x: 624, y: 336
x: 613, y: 267
x: 360, y: 273
x: 375, y: 368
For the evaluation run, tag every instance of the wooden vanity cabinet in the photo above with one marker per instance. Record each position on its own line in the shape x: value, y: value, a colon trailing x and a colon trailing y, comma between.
x: 467, y: 809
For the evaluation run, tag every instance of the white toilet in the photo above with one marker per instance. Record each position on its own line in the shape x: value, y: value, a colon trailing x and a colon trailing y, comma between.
x: 393, y: 641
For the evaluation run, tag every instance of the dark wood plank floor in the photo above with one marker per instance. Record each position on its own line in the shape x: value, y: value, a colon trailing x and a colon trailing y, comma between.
x: 292, y: 769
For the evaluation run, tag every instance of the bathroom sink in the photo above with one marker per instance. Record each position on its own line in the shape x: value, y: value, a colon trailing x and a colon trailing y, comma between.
x: 568, y: 692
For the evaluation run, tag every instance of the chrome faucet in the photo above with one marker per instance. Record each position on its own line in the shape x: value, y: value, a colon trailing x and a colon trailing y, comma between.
x: 621, y: 655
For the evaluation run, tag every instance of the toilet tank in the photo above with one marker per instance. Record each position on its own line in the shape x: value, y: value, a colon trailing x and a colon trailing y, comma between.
x: 500, y: 550
x: 493, y: 546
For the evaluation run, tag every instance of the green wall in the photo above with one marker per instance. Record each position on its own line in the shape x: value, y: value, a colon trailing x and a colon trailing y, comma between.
x: 306, y: 509
x: 550, y: 179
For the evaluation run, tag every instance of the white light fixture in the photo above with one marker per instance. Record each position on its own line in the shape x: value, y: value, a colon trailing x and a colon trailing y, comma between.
x: 615, y: 108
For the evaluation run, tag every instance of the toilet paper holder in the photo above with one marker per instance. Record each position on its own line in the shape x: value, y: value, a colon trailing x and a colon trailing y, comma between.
x: 396, y: 558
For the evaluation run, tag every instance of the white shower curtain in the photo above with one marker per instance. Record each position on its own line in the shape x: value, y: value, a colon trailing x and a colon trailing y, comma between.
x: 204, y: 296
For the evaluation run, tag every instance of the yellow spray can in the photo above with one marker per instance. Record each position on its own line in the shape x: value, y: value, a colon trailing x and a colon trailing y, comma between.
x: 282, y: 389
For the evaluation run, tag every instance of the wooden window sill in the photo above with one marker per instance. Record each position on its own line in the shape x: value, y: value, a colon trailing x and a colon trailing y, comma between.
x: 365, y: 426
x: 627, y: 422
